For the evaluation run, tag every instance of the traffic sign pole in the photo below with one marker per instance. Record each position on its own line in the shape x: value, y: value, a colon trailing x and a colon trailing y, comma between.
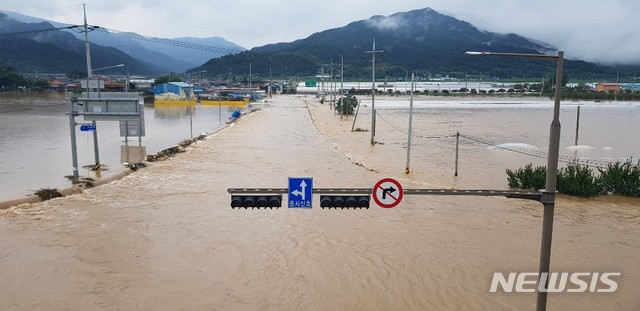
x: 72, y: 132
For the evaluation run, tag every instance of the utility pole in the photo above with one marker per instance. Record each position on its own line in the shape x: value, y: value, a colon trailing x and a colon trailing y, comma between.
x: 373, y: 91
x: 577, y: 125
x: 86, y: 43
x: 270, y: 81
x: 341, y: 76
x: 407, y: 169
x: 332, y: 84
x: 96, y: 150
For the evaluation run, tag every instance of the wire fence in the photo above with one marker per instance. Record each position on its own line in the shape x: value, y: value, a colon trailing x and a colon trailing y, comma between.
x: 537, y: 154
x: 520, y: 150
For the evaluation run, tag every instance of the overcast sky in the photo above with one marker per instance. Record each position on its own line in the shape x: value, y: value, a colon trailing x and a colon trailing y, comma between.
x: 592, y: 30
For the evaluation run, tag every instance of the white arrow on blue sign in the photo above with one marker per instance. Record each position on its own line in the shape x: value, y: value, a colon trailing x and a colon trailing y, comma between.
x: 300, y: 192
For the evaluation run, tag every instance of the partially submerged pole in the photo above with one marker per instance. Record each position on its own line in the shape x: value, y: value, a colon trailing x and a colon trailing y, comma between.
x: 407, y: 169
x: 355, y: 117
x: 455, y: 173
x: 72, y: 132
x: 577, y: 125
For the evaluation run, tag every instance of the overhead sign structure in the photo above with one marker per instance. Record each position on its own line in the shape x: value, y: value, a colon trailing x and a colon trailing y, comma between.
x: 111, y: 106
x: 300, y: 192
x: 387, y: 193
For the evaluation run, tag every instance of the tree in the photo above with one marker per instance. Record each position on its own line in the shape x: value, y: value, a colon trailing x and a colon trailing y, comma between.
x: 346, y: 105
x: 551, y: 82
x: 9, y: 77
x: 168, y: 78
x: 77, y: 74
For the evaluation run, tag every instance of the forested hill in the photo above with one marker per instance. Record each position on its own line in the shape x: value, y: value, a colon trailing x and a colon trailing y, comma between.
x: 421, y: 41
x: 39, y: 47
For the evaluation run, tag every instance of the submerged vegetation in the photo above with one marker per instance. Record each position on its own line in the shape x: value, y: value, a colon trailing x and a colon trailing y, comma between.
x: 48, y: 194
x: 580, y: 180
x: 346, y: 105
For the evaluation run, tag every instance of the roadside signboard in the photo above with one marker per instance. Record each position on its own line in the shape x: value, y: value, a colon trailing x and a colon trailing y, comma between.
x: 310, y: 83
x: 111, y: 106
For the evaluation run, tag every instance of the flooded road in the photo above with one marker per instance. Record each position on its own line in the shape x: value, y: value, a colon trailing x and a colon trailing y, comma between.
x: 166, y: 238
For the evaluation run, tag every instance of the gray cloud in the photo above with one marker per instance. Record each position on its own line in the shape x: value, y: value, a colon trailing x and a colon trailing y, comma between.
x: 596, y: 31
x: 603, y: 32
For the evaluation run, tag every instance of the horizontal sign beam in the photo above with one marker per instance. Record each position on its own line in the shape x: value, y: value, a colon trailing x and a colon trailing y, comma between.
x: 531, y: 195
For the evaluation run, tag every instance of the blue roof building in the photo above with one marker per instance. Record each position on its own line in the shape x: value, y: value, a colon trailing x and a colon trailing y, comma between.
x: 634, y: 87
x: 180, y: 89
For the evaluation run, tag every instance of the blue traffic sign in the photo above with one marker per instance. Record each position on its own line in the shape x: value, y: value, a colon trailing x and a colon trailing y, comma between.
x: 87, y: 127
x: 300, y: 192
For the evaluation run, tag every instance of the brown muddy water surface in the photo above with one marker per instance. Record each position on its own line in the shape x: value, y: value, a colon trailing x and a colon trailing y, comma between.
x: 35, y: 147
x: 166, y: 238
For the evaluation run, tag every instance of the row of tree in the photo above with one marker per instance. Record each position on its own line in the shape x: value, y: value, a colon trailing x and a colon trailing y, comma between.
x: 11, y: 80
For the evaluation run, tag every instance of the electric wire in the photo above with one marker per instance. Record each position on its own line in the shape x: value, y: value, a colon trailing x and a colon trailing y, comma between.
x: 412, y: 134
x: 37, y: 31
x: 172, y: 42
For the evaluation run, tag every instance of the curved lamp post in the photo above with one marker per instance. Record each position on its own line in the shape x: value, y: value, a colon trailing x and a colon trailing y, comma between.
x: 108, y: 67
x: 548, y: 198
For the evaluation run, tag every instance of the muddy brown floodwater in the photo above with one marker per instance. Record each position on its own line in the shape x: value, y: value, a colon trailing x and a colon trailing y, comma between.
x: 165, y: 238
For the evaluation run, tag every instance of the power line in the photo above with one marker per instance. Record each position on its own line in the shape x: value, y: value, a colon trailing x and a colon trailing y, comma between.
x: 412, y: 134
x: 177, y: 43
x: 38, y: 30
x: 171, y: 42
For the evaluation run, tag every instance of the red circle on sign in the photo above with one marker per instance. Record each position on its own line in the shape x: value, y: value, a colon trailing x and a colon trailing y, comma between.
x: 387, y: 193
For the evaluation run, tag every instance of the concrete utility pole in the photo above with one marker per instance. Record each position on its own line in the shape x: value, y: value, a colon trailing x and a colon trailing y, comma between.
x: 548, y: 198
x: 408, y: 166
x: 341, y: 76
x: 373, y: 91
x: 86, y: 43
x: 96, y: 150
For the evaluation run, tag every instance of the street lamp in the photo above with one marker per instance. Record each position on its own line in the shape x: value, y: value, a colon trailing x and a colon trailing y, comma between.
x: 548, y: 198
x: 103, y: 68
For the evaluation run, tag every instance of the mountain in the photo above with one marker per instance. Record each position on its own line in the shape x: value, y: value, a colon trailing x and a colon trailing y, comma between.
x: 177, y: 56
x: 39, y: 47
x: 421, y: 41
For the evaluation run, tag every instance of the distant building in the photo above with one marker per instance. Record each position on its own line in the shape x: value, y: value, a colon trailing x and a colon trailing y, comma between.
x: 608, y: 87
x: 180, y: 89
x: 631, y: 87
x: 56, y: 84
x: 140, y: 84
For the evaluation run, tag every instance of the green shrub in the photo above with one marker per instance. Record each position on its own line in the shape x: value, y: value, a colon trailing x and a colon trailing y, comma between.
x: 527, y: 177
x: 579, y: 180
x: 621, y: 178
